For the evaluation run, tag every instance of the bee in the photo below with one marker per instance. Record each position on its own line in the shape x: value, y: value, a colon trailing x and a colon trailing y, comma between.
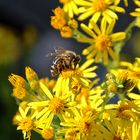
x: 63, y: 59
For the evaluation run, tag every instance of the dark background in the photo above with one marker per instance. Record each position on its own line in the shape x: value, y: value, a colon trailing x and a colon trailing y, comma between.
x: 18, y: 14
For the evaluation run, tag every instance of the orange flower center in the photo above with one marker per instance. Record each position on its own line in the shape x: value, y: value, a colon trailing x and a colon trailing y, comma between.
x: 86, y: 127
x: 100, y: 6
x: 26, y: 124
x: 56, y: 105
x: 103, y: 42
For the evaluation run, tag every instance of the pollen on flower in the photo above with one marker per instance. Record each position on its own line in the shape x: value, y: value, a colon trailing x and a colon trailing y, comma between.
x: 17, y: 80
x: 69, y: 73
x: 73, y: 23
x: 66, y: 32
x: 103, y: 42
x: 100, y: 5
x: 19, y: 93
x: 48, y: 133
x: 26, y: 124
x: 56, y: 105
x: 76, y: 86
x: 124, y: 112
x: 57, y: 23
x: 85, y: 126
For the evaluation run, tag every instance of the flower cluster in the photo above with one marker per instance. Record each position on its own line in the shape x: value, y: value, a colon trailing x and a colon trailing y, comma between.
x: 76, y: 106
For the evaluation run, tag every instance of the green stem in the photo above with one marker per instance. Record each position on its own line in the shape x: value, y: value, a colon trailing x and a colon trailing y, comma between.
x: 78, y: 35
x: 107, y: 99
x: 118, y: 47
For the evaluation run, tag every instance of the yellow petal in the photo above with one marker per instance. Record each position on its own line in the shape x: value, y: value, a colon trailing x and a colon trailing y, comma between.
x: 85, y: 15
x: 87, y: 64
x: 110, y: 27
x: 46, y: 90
x: 87, y: 50
x: 112, y: 54
x: 95, y: 27
x: 118, y: 36
x: 103, y: 25
x: 105, y: 57
x: 117, y: 9
x: 111, y: 14
x: 88, y: 30
x: 96, y: 16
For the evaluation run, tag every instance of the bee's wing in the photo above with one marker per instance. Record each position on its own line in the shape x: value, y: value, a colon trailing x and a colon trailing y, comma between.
x: 59, y: 49
x: 51, y: 55
x: 58, y: 52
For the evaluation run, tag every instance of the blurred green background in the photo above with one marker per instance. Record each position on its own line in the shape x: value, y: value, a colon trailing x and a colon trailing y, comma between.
x: 25, y: 38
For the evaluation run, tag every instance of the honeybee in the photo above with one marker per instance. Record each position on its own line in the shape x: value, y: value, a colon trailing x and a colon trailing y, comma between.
x: 63, y: 59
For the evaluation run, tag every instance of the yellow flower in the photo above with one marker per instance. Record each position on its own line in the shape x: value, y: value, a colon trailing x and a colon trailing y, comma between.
x: 19, y: 92
x: 101, y: 41
x: 123, y: 82
x: 81, y: 126
x: 16, y: 80
x: 98, y: 8
x: 30, y: 74
x: 56, y: 105
x: 133, y: 70
x: 62, y: 22
x: 113, y: 130
x: 80, y: 74
x: 70, y: 7
x: 59, y: 18
x: 25, y: 122
x: 27, y: 90
x: 126, y: 111
x: 73, y: 23
x: 66, y: 32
